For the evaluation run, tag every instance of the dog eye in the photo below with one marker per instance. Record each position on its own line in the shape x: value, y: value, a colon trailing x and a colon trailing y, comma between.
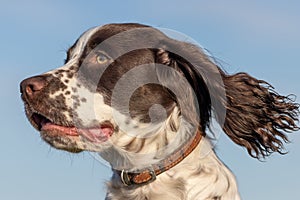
x: 102, y: 58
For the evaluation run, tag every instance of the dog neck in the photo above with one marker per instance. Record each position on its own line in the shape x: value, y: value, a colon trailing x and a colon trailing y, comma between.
x: 148, y: 175
x: 201, y: 175
x: 130, y: 153
x: 200, y: 170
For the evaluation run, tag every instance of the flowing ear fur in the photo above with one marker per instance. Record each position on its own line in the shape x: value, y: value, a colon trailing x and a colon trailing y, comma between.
x: 256, y: 116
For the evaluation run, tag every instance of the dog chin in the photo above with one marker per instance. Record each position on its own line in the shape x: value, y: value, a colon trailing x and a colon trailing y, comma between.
x: 57, y: 140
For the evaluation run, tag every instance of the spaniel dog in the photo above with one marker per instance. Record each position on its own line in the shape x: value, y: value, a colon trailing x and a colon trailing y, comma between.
x: 145, y: 102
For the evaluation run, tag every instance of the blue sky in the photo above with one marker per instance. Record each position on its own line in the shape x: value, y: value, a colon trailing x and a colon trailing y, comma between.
x: 258, y: 37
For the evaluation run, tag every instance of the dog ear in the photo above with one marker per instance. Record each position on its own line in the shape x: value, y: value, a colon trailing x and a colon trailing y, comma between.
x: 257, y: 115
x: 252, y: 114
x: 197, y: 101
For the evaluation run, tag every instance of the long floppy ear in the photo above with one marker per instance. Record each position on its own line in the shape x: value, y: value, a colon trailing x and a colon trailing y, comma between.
x: 257, y: 116
x: 253, y: 115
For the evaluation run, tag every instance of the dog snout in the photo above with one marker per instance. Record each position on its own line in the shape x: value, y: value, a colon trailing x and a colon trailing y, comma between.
x: 32, y: 86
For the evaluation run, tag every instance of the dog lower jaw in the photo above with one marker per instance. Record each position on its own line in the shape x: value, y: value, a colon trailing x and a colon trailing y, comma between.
x: 50, y: 128
x: 73, y: 139
x: 62, y: 142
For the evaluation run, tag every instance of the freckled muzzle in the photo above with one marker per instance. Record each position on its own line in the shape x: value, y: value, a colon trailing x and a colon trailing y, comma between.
x: 46, y: 108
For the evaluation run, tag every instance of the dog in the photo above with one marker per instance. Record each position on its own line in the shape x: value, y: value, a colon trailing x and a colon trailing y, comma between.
x: 145, y: 102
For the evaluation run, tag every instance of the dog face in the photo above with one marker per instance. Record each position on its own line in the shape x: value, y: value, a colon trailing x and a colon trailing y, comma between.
x: 74, y: 106
x: 132, y: 87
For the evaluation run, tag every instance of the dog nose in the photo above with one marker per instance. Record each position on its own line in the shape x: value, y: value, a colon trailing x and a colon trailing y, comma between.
x: 31, y: 86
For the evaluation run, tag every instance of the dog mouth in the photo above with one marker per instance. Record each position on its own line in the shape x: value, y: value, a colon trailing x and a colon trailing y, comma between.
x: 95, y: 134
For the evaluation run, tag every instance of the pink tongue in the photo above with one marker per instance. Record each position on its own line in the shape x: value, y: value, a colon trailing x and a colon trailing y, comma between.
x: 97, y: 134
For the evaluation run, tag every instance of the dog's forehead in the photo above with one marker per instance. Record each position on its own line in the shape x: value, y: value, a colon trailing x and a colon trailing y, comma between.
x: 98, y: 34
x: 77, y: 49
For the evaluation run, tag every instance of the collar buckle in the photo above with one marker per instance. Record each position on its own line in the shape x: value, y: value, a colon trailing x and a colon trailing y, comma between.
x: 142, y: 178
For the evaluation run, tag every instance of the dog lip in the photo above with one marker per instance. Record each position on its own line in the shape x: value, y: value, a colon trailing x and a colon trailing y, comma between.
x: 95, y: 134
x: 39, y: 120
x: 45, y: 125
x: 70, y: 131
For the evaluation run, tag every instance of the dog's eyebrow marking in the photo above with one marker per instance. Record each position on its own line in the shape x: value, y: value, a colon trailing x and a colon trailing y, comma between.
x: 78, y: 48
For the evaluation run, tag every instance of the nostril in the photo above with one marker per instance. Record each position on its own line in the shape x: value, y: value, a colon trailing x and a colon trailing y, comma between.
x: 32, y: 85
x: 29, y: 89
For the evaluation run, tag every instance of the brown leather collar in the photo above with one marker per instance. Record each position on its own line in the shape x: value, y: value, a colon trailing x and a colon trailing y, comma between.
x: 148, y: 175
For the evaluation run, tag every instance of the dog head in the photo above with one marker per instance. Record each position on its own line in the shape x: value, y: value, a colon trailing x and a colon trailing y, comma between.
x: 131, y: 87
